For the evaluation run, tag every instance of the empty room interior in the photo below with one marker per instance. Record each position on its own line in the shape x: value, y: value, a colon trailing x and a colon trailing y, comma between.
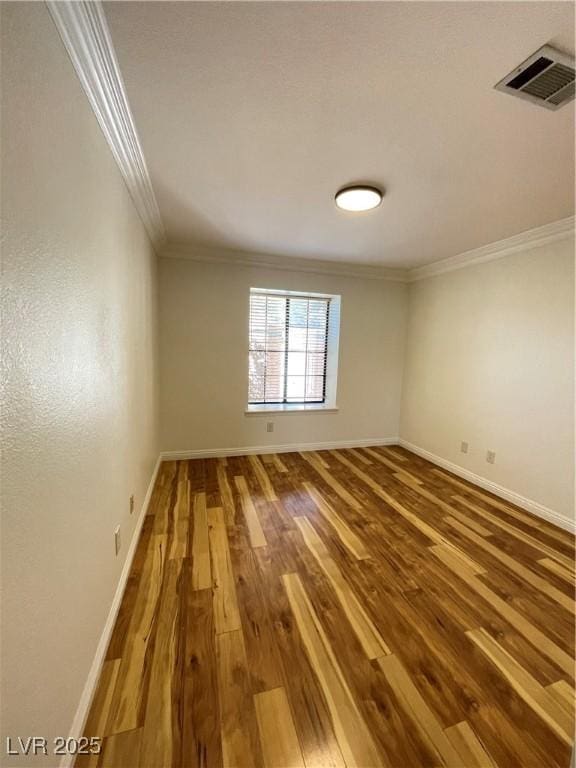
x: 288, y: 357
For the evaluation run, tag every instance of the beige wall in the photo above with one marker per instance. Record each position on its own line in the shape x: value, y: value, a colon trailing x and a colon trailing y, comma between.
x: 490, y: 360
x: 79, y: 369
x: 204, y: 358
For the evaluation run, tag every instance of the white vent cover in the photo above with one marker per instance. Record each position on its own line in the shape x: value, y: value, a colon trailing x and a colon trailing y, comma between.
x: 545, y: 78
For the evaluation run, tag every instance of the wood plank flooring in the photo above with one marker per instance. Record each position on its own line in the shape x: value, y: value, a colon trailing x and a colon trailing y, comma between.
x: 341, y: 608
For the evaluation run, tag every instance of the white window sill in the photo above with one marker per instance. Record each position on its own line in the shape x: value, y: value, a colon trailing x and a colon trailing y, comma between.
x: 290, y: 408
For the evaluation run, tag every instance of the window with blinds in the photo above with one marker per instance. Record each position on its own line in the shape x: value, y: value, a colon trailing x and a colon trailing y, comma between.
x: 288, y: 347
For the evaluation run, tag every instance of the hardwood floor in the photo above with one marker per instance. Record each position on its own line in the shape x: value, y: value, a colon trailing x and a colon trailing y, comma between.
x: 340, y: 608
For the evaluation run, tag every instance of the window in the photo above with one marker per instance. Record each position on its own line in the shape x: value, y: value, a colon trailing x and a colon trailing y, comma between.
x: 289, y: 347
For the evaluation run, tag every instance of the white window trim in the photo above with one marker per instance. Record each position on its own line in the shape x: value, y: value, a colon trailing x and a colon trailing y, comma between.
x: 259, y: 408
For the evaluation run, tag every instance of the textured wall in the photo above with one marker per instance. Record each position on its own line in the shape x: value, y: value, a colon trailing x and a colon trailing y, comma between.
x: 204, y: 358
x: 490, y: 360
x: 79, y: 370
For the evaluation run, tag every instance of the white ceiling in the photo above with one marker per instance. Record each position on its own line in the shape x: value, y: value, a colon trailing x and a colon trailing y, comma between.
x: 252, y: 115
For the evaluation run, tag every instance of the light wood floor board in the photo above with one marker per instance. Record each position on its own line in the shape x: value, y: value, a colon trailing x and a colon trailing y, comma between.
x: 160, y: 505
x: 564, y: 695
x: 160, y: 742
x: 407, y: 479
x: 456, y: 559
x: 315, y: 459
x: 257, y: 538
x: 239, y: 745
x: 345, y: 495
x: 122, y: 749
x: 526, y: 686
x: 565, y: 560
x: 126, y: 705
x: 98, y: 718
x: 369, y: 637
x: 393, y: 466
x: 226, y: 497
x: 366, y: 478
x: 534, y: 635
x: 360, y: 456
x: 385, y: 496
x: 532, y: 578
x: 277, y: 732
x: 347, y: 536
x: 181, y: 516
x: 424, y: 719
x: 279, y: 464
x: 201, y: 573
x: 226, y: 614
x: 466, y: 743
x: 199, y: 695
x: 558, y: 569
x: 393, y: 454
x: 429, y: 531
x: 263, y: 479
x: 337, y: 608
x: 451, y: 510
x: 353, y: 736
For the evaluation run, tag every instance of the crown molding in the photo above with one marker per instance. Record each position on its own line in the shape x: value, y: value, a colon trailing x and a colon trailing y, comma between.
x: 85, y: 34
x: 288, y: 263
x: 532, y: 238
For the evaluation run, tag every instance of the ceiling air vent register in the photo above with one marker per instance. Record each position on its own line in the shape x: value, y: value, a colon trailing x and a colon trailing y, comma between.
x: 545, y: 78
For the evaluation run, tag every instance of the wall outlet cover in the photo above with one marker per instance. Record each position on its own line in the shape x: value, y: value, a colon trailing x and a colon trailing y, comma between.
x: 131, y: 503
x: 491, y: 457
x: 269, y: 426
x: 464, y: 446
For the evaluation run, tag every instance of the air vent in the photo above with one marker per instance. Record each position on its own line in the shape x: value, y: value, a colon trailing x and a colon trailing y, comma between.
x: 546, y: 78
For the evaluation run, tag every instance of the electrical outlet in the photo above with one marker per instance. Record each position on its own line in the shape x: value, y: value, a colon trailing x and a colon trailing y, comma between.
x: 117, y: 541
x: 269, y: 426
x: 464, y: 447
x: 131, y: 503
x: 491, y: 457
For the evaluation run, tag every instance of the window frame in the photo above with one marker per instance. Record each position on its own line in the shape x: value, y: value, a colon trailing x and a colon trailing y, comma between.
x: 286, y: 404
x: 288, y: 296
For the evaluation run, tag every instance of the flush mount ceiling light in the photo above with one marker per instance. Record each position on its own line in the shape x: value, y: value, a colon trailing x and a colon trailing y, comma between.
x: 358, y: 197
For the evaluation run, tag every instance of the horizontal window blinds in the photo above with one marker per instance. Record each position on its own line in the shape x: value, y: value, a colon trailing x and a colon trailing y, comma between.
x: 288, y: 348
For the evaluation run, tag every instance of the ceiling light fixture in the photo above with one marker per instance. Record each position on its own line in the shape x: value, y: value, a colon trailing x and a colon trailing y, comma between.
x: 358, y: 197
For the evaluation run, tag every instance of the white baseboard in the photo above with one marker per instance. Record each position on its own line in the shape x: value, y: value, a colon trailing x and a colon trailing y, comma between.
x: 289, y: 448
x: 90, y: 686
x: 521, y: 501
